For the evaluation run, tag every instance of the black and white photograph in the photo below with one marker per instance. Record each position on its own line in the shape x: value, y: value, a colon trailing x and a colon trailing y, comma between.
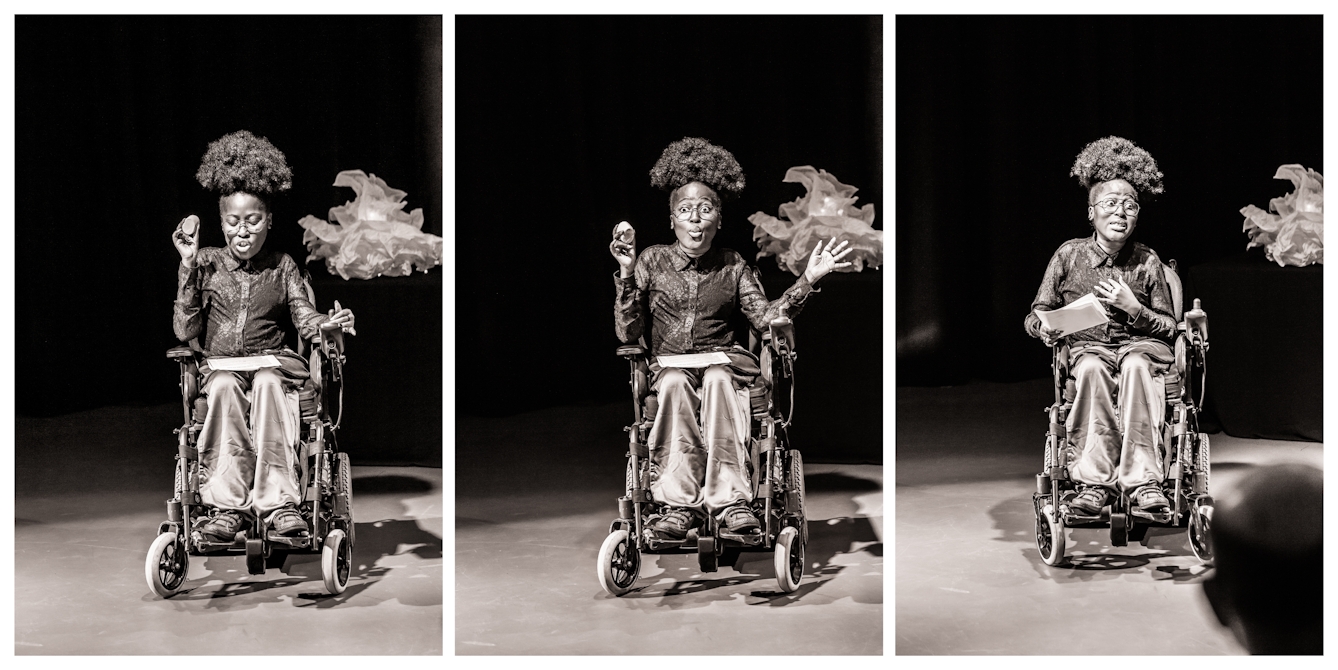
x: 668, y: 343
x: 228, y: 262
x: 1083, y: 466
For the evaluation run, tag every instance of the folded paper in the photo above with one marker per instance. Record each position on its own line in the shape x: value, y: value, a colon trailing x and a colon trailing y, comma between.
x: 1080, y: 314
x: 1294, y: 233
x: 827, y: 210
x: 371, y: 236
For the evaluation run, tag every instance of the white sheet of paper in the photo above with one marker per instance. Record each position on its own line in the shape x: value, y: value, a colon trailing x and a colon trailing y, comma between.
x: 244, y: 363
x: 693, y: 360
x: 1080, y: 314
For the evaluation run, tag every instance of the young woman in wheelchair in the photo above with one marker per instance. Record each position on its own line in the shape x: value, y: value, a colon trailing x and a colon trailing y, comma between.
x: 234, y: 299
x: 686, y: 294
x: 1118, y: 368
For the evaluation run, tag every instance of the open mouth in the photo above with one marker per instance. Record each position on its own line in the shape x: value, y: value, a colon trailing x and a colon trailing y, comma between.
x: 696, y: 236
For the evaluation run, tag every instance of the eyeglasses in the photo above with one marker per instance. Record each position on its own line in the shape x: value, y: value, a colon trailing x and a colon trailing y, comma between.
x: 703, y: 209
x: 254, y: 222
x: 1109, y: 205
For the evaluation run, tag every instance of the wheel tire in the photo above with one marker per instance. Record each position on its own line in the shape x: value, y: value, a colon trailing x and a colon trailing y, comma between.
x: 1050, y: 539
x: 336, y: 562
x: 1203, y: 466
x: 619, y: 563
x: 1200, y: 530
x: 794, y: 482
x: 255, y: 557
x: 789, y: 559
x: 706, y: 556
x: 344, y: 486
x: 166, y: 565
x: 1119, y: 529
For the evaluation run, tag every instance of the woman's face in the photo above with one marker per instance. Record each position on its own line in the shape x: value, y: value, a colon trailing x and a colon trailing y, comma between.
x: 245, y: 224
x: 695, y: 216
x: 1114, y: 227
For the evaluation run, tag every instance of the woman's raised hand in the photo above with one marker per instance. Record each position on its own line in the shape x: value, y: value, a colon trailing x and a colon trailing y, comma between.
x: 623, y: 248
x: 186, y: 238
x: 1118, y: 294
x: 343, y: 317
x: 824, y: 259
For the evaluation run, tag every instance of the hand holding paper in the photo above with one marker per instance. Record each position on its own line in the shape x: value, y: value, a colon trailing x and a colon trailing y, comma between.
x: 1080, y: 314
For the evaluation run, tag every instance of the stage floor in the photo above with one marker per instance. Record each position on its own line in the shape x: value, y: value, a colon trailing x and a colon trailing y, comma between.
x: 969, y: 578
x: 533, y: 506
x: 80, y: 549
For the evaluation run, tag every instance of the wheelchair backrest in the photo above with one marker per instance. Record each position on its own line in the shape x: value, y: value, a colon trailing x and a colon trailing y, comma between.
x: 1177, y: 289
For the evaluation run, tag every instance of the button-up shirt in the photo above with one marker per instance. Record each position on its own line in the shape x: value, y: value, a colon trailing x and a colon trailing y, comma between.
x: 239, y: 305
x: 1075, y: 270
x: 690, y: 301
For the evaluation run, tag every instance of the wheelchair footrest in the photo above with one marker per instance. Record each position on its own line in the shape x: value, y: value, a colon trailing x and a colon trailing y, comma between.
x: 1153, y: 517
x: 299, y: 542
x: 745, y: 539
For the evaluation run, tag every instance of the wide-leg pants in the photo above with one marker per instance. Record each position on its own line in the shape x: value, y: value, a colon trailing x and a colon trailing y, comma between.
x: 248, y: 445
x: 1120, y: 403
x: 699, y: 443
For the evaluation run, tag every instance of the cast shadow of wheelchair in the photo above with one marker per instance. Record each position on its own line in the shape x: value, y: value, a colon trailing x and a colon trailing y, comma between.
x: 1092, y: 558
x: 375, y: 540
x: 827, y: 539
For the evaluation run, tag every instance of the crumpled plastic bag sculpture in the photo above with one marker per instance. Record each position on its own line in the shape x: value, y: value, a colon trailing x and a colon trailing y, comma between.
x: 1294, y: 234
x: 371, y: 236
x: 827, y: 210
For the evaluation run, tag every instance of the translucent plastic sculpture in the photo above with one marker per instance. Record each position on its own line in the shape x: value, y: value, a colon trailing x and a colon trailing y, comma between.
x: 1294, y: 233
x: 827, y: 210
x: 371, y: 236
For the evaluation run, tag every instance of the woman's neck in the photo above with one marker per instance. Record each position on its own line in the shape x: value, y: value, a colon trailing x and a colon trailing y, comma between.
x: 1110, y: 248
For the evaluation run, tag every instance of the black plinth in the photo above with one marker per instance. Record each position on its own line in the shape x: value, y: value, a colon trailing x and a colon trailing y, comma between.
x: 1265, y: 366
x: 392, y: 397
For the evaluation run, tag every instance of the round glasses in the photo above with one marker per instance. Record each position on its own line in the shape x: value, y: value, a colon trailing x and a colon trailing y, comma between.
x: 254, y: 222
x: 1110, y: 204
x: 703, y: 209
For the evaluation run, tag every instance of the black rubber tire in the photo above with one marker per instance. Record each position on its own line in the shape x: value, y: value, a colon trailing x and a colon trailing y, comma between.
x: 1119, y: 529
x: 794, y: 481
x: 706, y: 554
x: 255, y: 557
x: 343, y: 484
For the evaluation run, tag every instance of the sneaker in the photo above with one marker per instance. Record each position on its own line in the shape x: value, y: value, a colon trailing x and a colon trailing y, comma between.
x: 1149, y: 498
x: 220, y: 528
x: 739, y: 519
x: 1090, y: 500
x: 288, y: 522
x: 674, y: 524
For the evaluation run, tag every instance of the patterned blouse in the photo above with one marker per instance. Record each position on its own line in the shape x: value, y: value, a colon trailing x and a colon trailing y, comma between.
x: 690, y: 301
x: 1076, y: 268
x: 239, y: 305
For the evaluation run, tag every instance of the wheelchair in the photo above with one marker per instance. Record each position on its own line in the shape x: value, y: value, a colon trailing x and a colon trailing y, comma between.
x: 327, y: 499
x: 1185, y: 454
x: 776, y: 469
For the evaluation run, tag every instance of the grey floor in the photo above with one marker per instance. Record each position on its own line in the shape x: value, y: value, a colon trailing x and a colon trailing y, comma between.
x: 531, y: 513
x: 79, y: 561
x: 969, y: 579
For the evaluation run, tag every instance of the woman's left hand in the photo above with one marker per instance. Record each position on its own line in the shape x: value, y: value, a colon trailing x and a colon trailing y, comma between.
x: 1118, y: 294
x: 343, y: 317
x: 824, y: 259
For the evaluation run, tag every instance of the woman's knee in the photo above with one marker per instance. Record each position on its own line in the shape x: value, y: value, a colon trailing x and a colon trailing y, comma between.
x: 267, y: 379
x: 717, y: 375
x: 1136, y: 362
x: 672, y: 380
x: 1088, y: 366
x: 222, y: 382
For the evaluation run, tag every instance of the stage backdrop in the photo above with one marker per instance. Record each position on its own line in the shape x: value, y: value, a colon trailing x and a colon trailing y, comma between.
x: 112, y: 117
x: 558, y: 122
x: 992, y: 111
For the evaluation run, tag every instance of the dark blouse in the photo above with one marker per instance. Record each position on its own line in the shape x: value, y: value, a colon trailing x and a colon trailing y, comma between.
x: 1076, y: 268
x: 690, y: 301
x: 238, y: 306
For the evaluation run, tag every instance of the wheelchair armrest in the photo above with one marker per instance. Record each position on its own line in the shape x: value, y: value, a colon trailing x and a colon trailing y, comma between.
x: 631, y: 350
x: 181, y: 352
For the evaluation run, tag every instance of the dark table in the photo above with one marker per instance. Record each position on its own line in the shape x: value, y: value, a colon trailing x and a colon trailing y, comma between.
x: 1265, y: 364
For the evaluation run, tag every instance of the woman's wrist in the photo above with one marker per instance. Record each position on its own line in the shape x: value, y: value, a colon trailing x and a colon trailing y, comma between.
x: 188, y: 263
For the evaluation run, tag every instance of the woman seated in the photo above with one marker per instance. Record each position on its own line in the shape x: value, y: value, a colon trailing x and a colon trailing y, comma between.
x: 235, y: 299
x: 686, y: 295
x: 1117, y: 367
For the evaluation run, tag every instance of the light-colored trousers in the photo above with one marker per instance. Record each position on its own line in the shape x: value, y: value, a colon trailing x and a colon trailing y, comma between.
x: 253, y: 469
x: 699, y: 443
x: 1119, y: 405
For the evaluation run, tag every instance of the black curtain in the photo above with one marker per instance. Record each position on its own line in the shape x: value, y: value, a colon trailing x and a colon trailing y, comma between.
x: 558, y: 122
x: 992, y: 111
x: 112, y: 117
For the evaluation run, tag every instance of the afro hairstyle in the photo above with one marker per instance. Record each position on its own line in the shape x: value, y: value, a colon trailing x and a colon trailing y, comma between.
x: 243, y: 162
x: 696, y: 159
x: 1117, y: 158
